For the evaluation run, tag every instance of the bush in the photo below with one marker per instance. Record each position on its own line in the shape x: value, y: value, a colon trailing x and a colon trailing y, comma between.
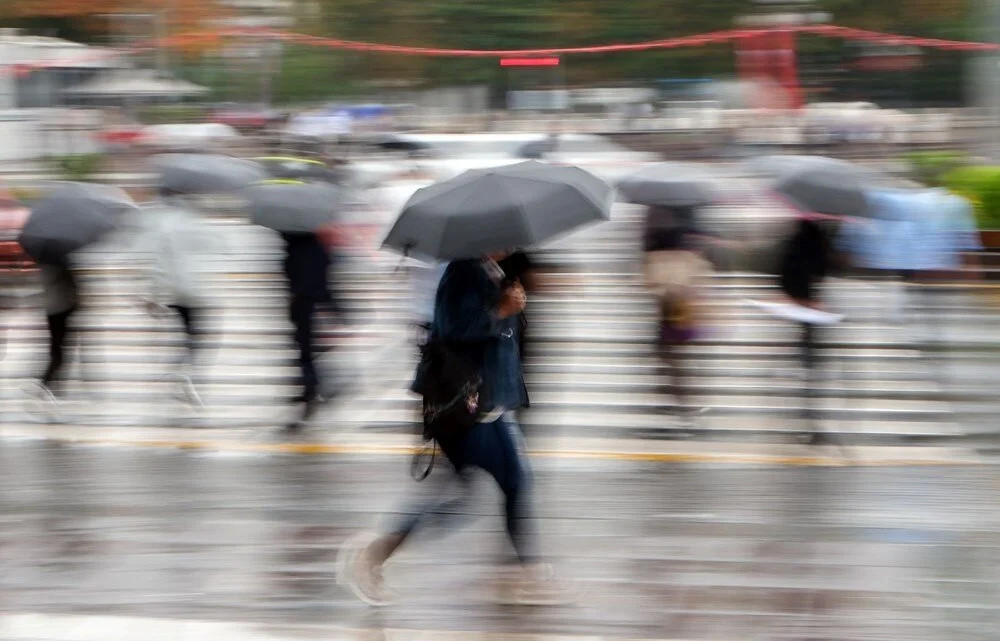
x: 79, y: 167
x: 981, y: 185
x: 930, y: 167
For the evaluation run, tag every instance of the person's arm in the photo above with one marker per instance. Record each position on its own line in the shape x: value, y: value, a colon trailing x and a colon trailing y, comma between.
x: 465, y: 309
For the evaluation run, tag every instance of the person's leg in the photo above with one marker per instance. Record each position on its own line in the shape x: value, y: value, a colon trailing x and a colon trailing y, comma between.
x: 189, y: 319
x: 190, y: 322
x: 58, y: 330
x: 810, y: 383
x: 498, y: 449
x: 302, y: 318
x: 362, y: 557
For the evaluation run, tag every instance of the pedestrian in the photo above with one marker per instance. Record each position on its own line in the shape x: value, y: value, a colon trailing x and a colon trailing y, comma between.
x: 806, y: 259
x: 61, y: 295
x: 306, y: 265
x: 178, y: 242
x: 475, y: 322
x: 673, y: 267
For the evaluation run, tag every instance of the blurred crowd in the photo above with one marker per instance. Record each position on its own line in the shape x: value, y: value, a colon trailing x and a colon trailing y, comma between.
x: 468, y: 244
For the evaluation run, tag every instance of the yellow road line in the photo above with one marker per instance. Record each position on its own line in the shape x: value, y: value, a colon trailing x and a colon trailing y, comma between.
x: 604, y: 455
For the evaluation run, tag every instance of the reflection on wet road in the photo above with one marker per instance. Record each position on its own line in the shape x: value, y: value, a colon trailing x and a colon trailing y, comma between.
x: 659, y: 551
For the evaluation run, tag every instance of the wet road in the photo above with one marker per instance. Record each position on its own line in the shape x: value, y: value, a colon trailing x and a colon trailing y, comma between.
x: 659, y: 551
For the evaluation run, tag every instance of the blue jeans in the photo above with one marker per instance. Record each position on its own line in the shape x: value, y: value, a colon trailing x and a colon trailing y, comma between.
x: 497, y: 449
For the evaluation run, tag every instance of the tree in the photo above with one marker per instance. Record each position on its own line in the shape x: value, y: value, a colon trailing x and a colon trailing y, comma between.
x: 96, y: 20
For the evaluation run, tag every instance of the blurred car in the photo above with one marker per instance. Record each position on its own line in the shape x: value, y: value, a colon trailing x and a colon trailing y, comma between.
x: 121, y: 137
x: 851, y: 122
x: 448, y: 155
x: 244, y: 117
x: 184, y: 137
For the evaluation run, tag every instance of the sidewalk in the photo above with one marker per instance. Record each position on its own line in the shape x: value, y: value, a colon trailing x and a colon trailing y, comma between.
x: 358, y: 443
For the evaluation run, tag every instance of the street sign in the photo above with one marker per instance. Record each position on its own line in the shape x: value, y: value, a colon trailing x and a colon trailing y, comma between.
x: 529, y: 62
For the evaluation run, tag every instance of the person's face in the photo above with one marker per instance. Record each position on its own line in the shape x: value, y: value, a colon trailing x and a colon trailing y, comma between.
x: 499, y: 255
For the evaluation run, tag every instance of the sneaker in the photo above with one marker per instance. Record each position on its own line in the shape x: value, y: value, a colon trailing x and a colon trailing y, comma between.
x: 534, y: 585
x: 42, y: 392
x: 359, y: 571
x: 48, y: 404
x: 190, y: 392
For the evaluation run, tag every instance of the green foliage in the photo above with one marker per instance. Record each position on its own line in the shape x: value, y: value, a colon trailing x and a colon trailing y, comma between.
x: 79, y: 167
x: 981, y: 185
x: 311, y: 74
x: 929, y: 167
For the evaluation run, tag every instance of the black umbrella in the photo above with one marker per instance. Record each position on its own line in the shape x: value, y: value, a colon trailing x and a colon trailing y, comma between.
x: 486, y: 210
x: 667, y: 185
x: 206, y: 173
x: 73, y: 216
x: 293, y: 206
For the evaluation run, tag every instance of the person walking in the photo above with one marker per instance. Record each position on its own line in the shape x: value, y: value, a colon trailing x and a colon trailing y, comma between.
x: 807, y: 257
x: 61, y: 295
x: 178, y: 242
x: 672, y: 268
x: 306, y: 265
x: 475, y: 321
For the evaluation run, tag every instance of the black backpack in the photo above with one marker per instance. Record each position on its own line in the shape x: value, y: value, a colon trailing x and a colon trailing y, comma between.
x: 449, y: 383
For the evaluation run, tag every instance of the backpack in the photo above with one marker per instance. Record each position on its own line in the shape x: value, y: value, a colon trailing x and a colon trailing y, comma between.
x: 449, y: 384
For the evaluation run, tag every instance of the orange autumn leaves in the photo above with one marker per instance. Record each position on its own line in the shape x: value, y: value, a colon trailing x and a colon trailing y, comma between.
x: 187, y: 23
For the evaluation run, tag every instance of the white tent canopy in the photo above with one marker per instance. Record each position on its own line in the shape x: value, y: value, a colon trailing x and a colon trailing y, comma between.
x: 136, y: 83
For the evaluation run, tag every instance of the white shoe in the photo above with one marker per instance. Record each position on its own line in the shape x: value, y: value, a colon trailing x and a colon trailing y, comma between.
x: 191, y: 392
x: 358, y: 570
x: 42, y: 392
x: 534, y: 585
x: 49, y: 404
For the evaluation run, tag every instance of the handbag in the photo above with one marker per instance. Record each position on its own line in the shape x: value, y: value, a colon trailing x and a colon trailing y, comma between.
x: 449, y: 384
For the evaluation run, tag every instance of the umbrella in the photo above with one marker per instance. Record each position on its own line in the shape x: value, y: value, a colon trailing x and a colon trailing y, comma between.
x: 838, y: 192
x: 667, y: 185
x: 779, y: 166
x: 486, y: 210
x: 292, y: 206
x: 206, y: 173
x: 71, y: 217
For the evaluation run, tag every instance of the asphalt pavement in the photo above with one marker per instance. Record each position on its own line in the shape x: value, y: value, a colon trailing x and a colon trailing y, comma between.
x: 107, y: 542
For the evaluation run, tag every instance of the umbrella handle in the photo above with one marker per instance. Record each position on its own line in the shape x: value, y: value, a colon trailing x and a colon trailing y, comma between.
x: 406, y: 254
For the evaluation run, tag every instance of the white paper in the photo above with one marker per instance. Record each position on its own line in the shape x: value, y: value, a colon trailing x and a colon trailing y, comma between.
x: 798, y: 313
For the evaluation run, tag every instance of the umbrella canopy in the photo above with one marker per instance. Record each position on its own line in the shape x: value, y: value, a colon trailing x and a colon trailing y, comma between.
x: 486, y: 210
x: 838, y: 192
x: 206, y: 173
x: 779, y: 166
x: 293, y: 206
x: 667, y: 185
x: 73, y: 216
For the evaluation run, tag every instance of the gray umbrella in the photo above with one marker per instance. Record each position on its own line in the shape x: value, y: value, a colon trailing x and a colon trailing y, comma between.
x: 838, y: 192
x: 206, y: 173
x: 486, y: 210
x: 781, y: 165
x: 667, y: 185
x: 73, y: 216
x: 292, y: 206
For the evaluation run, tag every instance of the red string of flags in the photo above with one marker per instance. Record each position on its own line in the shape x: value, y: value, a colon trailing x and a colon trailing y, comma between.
x: 717, y: 37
